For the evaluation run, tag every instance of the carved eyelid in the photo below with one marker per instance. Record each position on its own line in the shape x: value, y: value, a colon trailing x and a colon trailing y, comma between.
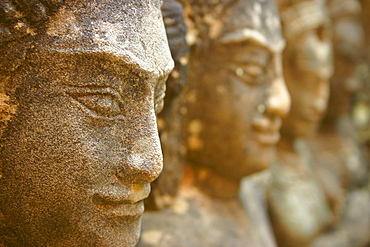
x: 75, y: 92
x: 160, y: 93
x: 254, y: 65
x: 254, y: 62
x: 83, y: 91
x: 241, y: 71
x: 247, y: 65
x: 158, y: 105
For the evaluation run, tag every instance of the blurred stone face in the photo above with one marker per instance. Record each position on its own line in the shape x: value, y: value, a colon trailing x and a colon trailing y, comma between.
x: 348, y: 40
x: 237, y: 99
x: 307, y: 69
x: 78, y: 156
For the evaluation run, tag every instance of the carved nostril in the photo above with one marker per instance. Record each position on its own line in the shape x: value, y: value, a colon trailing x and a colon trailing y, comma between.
x: 278, y: 100
x: 320, y: 105
x: 143, y: 160
x: 140, y: 171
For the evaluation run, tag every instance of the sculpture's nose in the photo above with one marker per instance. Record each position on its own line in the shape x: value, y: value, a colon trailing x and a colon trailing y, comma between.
x: 144, y: 160
x: 321, y: 100
x: 278, y: 100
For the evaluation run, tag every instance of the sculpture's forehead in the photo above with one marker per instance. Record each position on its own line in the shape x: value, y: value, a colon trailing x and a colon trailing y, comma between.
x: 302, y: 16
x: 256, y: 20
x: 132, y: 31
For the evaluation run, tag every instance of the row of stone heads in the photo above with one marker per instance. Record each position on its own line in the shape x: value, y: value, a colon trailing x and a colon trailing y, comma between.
x: 83, y: 84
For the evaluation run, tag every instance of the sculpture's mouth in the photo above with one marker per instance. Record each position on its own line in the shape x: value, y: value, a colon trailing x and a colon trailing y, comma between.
x: 117, y: 205
x: 267, y: 137
x: 267, y: 131
x: 312, y: 119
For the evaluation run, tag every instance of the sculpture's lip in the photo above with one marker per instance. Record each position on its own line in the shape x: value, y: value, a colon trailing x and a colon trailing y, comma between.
x: 268, y: 137
x: 312, y: 118
x: 119, y: 205
x: 312, y: 114
x: 267, y: 131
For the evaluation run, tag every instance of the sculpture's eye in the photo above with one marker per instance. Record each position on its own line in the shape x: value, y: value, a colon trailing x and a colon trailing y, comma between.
x: 104, y: 105
x: 250, y: 63
x: 250, y: 73
x: 100, y: 102
x: 159, y: 96
x: 158, y: 106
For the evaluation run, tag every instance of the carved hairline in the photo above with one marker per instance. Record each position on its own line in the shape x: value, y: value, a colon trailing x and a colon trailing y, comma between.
x: 302, y: 16
x: 339, y: 8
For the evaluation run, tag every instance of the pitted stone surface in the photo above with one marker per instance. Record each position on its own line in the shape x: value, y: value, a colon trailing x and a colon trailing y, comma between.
x: 80, y: 86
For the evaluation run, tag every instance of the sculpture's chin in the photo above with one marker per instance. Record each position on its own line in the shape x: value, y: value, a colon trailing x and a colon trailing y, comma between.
x: 260, y: 161
x: 7, y: 236
x: 120, y: 233
x: 112, y: 235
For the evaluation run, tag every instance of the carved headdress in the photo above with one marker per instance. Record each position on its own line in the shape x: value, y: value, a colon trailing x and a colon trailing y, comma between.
x: 348, y: 33
x: 299, y: 16
x: 230, y: 21
x: 95, y: 27
x: 257, y: 18
x: 91, y: 28
x: 339, y: 8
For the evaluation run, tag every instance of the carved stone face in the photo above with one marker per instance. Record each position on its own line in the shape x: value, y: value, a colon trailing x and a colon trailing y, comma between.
x: 307, y: 69
x: 348, y: 37
x: 238, y: 97
x: 78, y: 157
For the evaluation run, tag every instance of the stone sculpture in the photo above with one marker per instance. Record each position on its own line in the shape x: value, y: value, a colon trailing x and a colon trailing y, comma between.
x: 171, y: 120
x: 336, y: 147
x: 363, y: 106
x: 298, y: 207
x: 236, y: 97
x: 80, y: 81
x: 341, y: 161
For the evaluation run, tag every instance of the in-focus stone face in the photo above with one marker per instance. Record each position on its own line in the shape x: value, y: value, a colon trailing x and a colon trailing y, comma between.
x: 239, y: 93
x: 307, y: 65
x: 78, y: 156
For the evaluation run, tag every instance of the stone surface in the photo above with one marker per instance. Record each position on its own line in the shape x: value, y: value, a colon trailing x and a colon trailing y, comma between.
x: 82, y: 84
x: 362, y: 108
x: 79, y: 139
x: 171, y: 120
x: 342, y: 164
x: 235, y: 97
x: 298, y: 207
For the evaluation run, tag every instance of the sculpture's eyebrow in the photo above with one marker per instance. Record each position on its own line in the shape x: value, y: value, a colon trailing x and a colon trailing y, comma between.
x: 141, y: 67
x: 255, y: 54
x: 99, y: 81
x: 253, y: 36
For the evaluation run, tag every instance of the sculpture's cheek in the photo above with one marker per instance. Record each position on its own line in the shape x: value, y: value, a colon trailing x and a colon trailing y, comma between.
x: 72, y: 176
x: 54, y: 161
